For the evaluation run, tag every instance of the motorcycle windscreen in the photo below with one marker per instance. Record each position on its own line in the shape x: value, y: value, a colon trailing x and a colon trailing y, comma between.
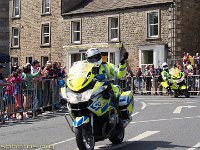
x: 80, y: 75
x: 175, y: 73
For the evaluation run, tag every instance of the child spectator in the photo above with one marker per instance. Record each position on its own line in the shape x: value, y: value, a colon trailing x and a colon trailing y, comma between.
x: 28, y: 86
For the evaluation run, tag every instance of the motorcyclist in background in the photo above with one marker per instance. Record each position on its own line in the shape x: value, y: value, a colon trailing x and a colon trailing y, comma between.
x: 166, y: 77
x: 108, y: 70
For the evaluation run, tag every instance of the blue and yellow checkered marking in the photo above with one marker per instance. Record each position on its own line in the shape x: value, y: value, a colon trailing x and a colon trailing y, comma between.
x: 81, y: 120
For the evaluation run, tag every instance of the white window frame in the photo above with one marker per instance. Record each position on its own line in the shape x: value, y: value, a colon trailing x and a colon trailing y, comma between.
x: 156, y: 24
x: 44, y: 7
x: 14, y: 59
x: 15, y: 37
x: 16, y: 7
x: 27, y: 58
x: 44, y: 35
x: 42, y: 60
x: 73, y: 32
x: 116, y: 39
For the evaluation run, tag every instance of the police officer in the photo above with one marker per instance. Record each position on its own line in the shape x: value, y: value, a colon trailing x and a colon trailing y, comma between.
x: 93, y: 55
x: 166, y: 77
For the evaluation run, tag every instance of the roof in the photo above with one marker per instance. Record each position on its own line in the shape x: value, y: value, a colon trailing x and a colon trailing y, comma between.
x: 90, y: 6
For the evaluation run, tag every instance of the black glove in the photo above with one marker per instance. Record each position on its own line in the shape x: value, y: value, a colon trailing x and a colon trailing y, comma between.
x: 125, y: 57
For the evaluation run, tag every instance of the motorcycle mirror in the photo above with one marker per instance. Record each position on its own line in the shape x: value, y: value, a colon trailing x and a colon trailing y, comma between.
x: 95, y: 70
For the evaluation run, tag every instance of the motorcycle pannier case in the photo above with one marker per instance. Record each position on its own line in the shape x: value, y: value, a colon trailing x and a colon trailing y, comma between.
x: 126, y: 104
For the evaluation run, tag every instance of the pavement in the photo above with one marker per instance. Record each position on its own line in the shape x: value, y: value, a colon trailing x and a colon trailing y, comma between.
x: 159, y: 123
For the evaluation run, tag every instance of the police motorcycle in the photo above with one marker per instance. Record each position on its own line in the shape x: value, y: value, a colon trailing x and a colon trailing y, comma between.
x: 176, y: 83
x: 92, y: 115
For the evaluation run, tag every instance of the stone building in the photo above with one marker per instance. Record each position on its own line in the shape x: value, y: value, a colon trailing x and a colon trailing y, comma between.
x: 4, y: 31
x: 35, y: 30
x: 152, y: 31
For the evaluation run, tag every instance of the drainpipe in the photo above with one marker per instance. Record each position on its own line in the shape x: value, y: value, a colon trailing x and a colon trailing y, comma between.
x: 173, y: 47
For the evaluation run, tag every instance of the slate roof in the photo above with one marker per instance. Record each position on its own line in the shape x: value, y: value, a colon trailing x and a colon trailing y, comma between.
x: 89, y: 6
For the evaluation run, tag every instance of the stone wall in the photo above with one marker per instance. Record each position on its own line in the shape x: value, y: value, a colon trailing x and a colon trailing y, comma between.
x: 187, y: 27
x: 30, y: 24
x: 133, y: 30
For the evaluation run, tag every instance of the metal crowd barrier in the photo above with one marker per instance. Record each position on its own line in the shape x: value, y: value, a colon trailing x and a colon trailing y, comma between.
x: 25, y: 99
x: 151, y: 85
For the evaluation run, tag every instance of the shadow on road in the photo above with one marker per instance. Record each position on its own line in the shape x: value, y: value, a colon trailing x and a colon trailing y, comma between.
x: 39, y: 118
x: 145, y: 145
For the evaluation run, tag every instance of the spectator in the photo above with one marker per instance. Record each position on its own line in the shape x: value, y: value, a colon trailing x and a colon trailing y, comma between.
x: 139, y: 82
x: 197, y: 60
x: 18, y: 92
x: 28, y: 86
x: 1, y: 74
x: 9, y: 98
x: 155, y: 80
x: 47, y: 73
x: 35, y: 66
x: 129, y: 76
x: 14, y: 67
x: 148, y: 79
x: 160, y: 80
x: 185, y: 59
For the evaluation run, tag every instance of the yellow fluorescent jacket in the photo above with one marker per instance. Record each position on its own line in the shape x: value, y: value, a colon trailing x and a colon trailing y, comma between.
x: 111, y: 71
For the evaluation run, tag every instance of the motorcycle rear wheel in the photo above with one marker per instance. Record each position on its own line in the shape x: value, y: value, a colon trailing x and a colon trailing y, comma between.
x: 186, y: 93
x: 84, y: 138
x: 117, y: 136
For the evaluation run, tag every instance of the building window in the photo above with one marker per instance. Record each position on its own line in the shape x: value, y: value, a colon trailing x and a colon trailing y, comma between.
x: 44, y: 60
x: 29, y: 59
x: 113, y: 29
x: 76, y: 31
x: 15, y: 37
x: 153, y: 24
x: 14, y: 60
x: 45, y: 34
x: 16, y: 8
x: 45, y: 6
x: 147, y: 58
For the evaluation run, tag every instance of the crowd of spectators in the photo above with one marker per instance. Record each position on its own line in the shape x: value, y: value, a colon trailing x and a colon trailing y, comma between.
x: 18, y: 87
x: 149, y: 80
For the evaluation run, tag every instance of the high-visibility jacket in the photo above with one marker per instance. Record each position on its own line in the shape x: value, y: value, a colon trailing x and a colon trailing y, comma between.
x: 111, y: 71
x: 165, y: 75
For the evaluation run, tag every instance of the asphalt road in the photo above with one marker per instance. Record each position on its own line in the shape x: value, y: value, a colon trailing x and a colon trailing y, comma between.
x: 159, y: 123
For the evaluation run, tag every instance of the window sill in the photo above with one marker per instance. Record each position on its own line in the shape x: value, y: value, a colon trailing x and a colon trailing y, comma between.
x: 17, y: 17
x: 45, y: 45
x: 76, y: 43
x: 114, y: 40
x: 46, y: 14
x: 16, y: 47
x: 152, y: 38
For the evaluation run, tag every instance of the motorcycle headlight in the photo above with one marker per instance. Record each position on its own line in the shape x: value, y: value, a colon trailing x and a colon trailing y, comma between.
x: 78, y: 97
x: 86, y: 95
x: 73, y: 97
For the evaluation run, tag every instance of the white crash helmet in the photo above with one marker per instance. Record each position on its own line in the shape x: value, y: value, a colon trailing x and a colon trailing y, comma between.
x: 165, y: 66
x: 93, y: 55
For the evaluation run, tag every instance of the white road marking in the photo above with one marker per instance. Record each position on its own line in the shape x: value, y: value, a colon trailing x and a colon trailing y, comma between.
x: 170, y: 119
x: 137, y: 138
x: 178, y: 109
x: 155, y: 104
x: 58, y: 143
x: 144, y: 105
x: 189, y: 102
x: 195, y: 147
x: 134, y: 114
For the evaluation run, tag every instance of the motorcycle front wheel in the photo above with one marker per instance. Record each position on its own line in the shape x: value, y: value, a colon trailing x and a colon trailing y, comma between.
x: 84, y: 138
x: 117, y: 136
